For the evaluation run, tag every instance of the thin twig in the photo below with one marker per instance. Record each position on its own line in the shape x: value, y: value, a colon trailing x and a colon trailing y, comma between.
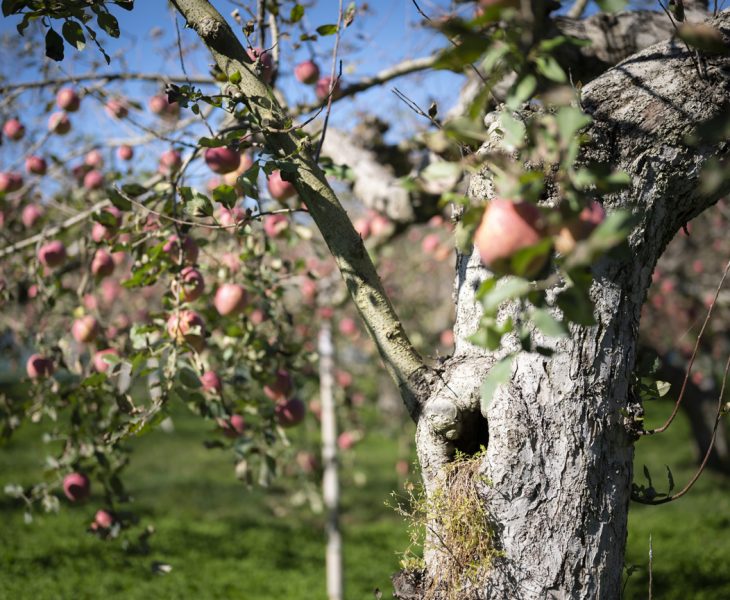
x: 106, y: 77
x: 576, y: 11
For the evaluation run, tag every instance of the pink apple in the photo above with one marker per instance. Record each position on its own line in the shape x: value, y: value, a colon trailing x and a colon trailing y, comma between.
x: 275, y: 225
x: 257, y: 316
x: 189, y: 249
x: 170, y: 162
x: 281, y: 387
x: 59, y: 123
x: 187, y: 326
x: 94, y: 159
x: 193, y: 284
x: 39, y: 366
x: 344, y: 379
x: 211, y: 382
x: 580, y: 227
x: 36, y: 165
x: 13, y: 129
x: 52, y: 254
x: 347, y: 326
x: 447, y: 338
x: 232, y: 217
x: 308, y: 289
x: 10, y: 181
x: 222, y: 159
x: 125, y: 152
x: 430, y: 243
x: 110, y: 290
x: 346, y: 440
x: 362, y: 226
x: 307, y: 461
x: 380, y: 225
x: 322, y: 89
x: 307, y: 72
x: 102, y: 265
x: 67, y: 99
x: 103, y: 519
x: 230, y: 299
x: 116, y: 108
x: 505, y: 228
x: 93, y: 180
x: 101, y: 365
x: 76, y: 486
x: 232, y: 427
x: 246, y: 162
x: 263, y: 61
x: 278, y: 188
x: 402, y: 467
x: 290, y: 412
x: 159, y: 105
x: 31, y: 215
x: 85, y: 329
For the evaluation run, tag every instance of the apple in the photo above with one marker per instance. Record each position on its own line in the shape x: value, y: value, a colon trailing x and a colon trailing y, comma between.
x: 257, y: 316
x: 159, y: 105
x: 362, y: 226
x: 103, y: 519
x: 308, y: 289
x: 347, y: 326
x: 125, y: 152
x: 430, y: 243
x: 246, y: 162
x: 59, y: 123
x: 281, y: 387
x: 170, y: 162
x: 36, y: 165
x: 94, y: 159
x: 13, y: 129
x: 222, y: 159
x: 52, y: 254
x: 232, y: 427
x: 117, y: 109
x: 39, y: 366
x: 290, y: 412
x: 307, y: 72
x: 110, y: 290
x: 211, y: 382
x: 10, y: 181
x: 93, y: 180
x: 230, y: 299
x: 343, y: 378
x: 187, y: 326
x: 189, y: 249
x: 346, y: 440
x: 275, y: 225
x: 322, y: 89
x: 76, y: 486
x: 505, y: 228
x: 100, y: 232
x: 580, y: 227
x: 67, y: 99
x: 447, y: 338
x: 102, y: 265
x: 193, y: 284
x: 380, y: 225
x: 230, y: 217
x: 307, y: 461
x: 402, y: 468
x: 85, y: 329
x: 101, y: 365
x: 31, y: 215
x: 278, y: 188
x: 263, y: 62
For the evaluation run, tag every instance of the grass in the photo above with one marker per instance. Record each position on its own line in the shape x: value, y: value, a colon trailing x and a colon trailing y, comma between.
x: 224, y: 541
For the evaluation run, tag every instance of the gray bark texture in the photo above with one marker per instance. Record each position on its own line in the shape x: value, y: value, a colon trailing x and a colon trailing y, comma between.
x: 557, y: 471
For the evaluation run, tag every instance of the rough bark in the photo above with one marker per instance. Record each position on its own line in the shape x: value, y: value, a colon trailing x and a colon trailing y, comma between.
x: 557, y: 470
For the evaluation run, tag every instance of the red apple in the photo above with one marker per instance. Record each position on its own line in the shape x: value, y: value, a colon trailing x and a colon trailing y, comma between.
x: 263, y: 61
x: 85, y: 329
x: 159, y: 105
x: 307, y: 72
x: 278, y: 188
x: 246, y: 162
x: 211, y: 382
x: 322, y: 88
x: 222, y: 159
x: 39, y: 366
x: 346, y: 440
x: 103, y: 519
x: 10, y: 181
x: 52, y: 254
x: 31, y: 215
x: 230, y: 299
x: 170, y: 162
x: 362, y: 226
x: 76, y: 486
x: 505, y: 228
x: 102, y: 265
x: 36, y: 165
x: 59, y: 123
x: 94, y: 159
x: 13, y: 129
x: 232, y: 217
x: 117, y: 109
x: 281, y: 387
x: 193, y: 284
x: 67, y: 99
x: 125, y: 152
x: 101, y: 365
x: 187, y: 326
x: 290, y: 412
x: 110, y: 290
x: 275, y: 225
x: 93, y: 180
x: 232, y: 427
x: 447, y: 338
x: 189, y: 249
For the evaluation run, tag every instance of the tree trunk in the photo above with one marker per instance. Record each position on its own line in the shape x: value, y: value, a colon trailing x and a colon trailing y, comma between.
x: 555, y: 479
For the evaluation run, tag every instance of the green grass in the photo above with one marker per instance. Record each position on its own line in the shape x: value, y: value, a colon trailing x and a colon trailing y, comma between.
x: 225, y: 541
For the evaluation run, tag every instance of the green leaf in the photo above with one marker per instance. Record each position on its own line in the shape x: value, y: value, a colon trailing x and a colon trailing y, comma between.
x: 575, y: 301
x: 296, y: 14
x: 509, y: 288
x: 499, y: 374
x: 226, y: 195
x: 549, y: 67
x: 548, y: 324
x: 612, y: 6
x: 521, y: 91
x: 108, y: 23
x: 235, y: 78
x: 570, y: 120
x: 329, y: 29
x: 349, y: 14
x: 490, y: 334
x: 118, y: 200
x: 133, y: 189
x: 189, y: 378
x: 54, y: 45
x: 514, y: 130
x: 74, y: 34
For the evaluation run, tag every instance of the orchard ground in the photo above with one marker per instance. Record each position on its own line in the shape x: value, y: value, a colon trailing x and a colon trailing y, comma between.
x: 225, y: 541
